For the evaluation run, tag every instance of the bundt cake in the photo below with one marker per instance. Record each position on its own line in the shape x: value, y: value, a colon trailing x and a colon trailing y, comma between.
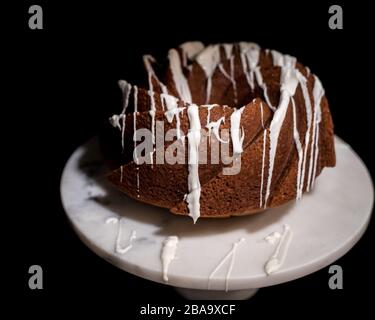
x: 221, y: 130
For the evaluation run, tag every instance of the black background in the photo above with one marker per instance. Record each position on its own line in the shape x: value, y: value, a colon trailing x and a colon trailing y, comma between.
x: 66, y: 79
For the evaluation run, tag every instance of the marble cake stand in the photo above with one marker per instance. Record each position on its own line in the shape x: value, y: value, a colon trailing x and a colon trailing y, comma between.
x: 326, y: 224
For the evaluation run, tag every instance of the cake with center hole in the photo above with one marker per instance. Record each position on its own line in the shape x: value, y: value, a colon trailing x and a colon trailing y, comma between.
x: 219, y: 130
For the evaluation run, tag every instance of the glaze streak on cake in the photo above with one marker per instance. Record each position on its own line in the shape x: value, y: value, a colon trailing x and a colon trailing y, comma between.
x: 275, y: 109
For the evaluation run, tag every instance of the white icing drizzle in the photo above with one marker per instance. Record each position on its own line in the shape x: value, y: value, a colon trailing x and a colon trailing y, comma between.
x: 118, y: 248
x: 115, y: 119
x: 151, y: 73
x: 308, y: 108
x: 230, y: 76
x: 228, y: 48
x: 289, y: 82
x: 249, y: 58
x: 278, y: 257
x: 259, y: 78
x: 125, y: 88
x: 147, y: 61
x: 273, y: 237
x: 178, y: 76
x: 283, y: 60
x: 173, y: 110
x: 234, y: 84
x: 308, y: 71
x: 135, y: 122
x: 190, y: 50
x: 250, y: 53
x: 318, y: 93
x: 135, y: 135
x: 123, y: 250
x: 194, y: 187
x: 112, y: 220
x: 209, y: 107
x: 297, y: 142
x: 237, y: 138
x: 263, y: 157
x: 152, y: 114
x: 262, y: 172
x: 168, y: 254
x: 214, y: 126
x: 208, y: 59
x: 264, y: 87
x: 231, y: 254
x: 261, y: 114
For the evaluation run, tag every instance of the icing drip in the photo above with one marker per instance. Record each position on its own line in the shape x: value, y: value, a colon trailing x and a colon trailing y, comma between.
x: 208, y: 59
x: 214, y: 126
x: 173, y: 110
x: 262, y: 173
x: 234, y: 84
x: 118, y: 248
x: 194, y: 187
x: 115, y: 119
x: 137, y: 182
x: 259, y: 78
x: 278, y: 257
x: 228, y: 48
x: 125, y: 88
x: 230, y: 76
x: 135, y: 122
x: 190, y: 50
x: 250, y: 53
x: 263, y: 157
x: 318, y: 93
x: 179, y: 79
x: 297, y: 142
x: 209, y: 107
x: 135, y: 135
x: 168, y: 254
x: 308, y: 108
x: 152, y: 113
x: 308, y: 71
x: 249, y: 58
x: 132, y: 237
x: 147, y: 61
x: 112, y: 220
x: 283, y: 60
x: 237, y: 138
x: 289, y: 82
x: 231, y: 254
x: 273, y: 237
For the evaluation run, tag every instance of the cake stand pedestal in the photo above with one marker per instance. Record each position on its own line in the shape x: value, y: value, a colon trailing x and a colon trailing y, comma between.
x: 195, y: 294
x: 326, y: 223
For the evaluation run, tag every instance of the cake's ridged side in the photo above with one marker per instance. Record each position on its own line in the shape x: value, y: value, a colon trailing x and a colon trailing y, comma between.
x: 252, y: 189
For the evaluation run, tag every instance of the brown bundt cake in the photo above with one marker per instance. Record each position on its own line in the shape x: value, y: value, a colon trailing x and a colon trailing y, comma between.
x: 265, y: 112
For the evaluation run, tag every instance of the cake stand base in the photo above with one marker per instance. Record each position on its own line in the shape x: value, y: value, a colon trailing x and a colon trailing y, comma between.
x: 326, y: 223
x: 194, y: 294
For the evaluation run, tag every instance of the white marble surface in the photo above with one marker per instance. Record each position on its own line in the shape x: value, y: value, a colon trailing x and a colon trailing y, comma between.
x: 326, y: 223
